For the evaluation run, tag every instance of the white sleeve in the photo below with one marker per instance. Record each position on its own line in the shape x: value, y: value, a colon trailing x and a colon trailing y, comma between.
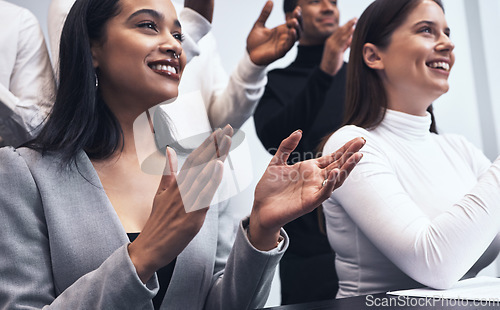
x: 235, y: 101
x: 435, y: 252
x: 28, y: 99
x: 194, y: 27
x: 58, y: 10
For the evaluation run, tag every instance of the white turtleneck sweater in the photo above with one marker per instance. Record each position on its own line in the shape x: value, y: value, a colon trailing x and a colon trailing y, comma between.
x: 419, y: 209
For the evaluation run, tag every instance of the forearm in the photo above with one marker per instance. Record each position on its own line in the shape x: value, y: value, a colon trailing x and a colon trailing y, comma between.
x: 235, y: 103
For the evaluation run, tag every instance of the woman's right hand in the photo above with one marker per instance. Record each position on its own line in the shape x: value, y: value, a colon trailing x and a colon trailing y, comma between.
x: 180, y: 204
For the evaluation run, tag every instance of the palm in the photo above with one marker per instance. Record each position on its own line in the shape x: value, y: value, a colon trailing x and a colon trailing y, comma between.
x: 286, y: 192
x: 267, y: 45
x: 296, y: 187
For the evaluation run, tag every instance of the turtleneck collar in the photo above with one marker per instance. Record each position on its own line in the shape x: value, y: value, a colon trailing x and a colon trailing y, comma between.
x: 406, y: 125
x: 308, y: 56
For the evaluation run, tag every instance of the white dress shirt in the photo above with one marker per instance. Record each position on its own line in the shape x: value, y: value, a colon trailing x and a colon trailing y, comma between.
x: 26, y: 80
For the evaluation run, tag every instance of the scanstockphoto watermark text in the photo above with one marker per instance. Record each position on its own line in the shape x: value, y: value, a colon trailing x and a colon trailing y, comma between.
x: 430, y: 301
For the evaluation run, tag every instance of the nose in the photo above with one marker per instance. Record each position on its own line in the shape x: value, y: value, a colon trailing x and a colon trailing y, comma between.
x: 445, y: 44
x: 327, y: 6
x: 170, y: 45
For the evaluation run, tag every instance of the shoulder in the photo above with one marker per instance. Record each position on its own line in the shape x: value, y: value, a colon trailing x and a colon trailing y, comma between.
x: 16, y: 180
x: 13, y: 12
x: 344, y: 135
x: 464, y: 149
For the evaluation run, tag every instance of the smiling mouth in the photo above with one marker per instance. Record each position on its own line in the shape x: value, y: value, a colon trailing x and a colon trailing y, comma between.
x: 439, y: 65
x: 164, y: 68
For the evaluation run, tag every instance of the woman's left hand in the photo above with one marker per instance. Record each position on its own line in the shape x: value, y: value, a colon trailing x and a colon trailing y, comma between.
x: 286, y: 192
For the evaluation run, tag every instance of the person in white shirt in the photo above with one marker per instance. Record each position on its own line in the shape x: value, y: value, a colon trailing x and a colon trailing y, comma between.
x: 421, y: 209
x: 26, y: 80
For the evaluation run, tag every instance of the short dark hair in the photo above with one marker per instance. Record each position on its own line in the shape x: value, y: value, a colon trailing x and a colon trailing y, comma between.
x: 289, y: 5
x: 366, y: 99
x: 80, y: 119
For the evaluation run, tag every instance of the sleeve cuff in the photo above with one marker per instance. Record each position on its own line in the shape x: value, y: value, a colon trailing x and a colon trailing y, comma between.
x: 194, y: 24
x: 249, y: 73
x: 282, y: 244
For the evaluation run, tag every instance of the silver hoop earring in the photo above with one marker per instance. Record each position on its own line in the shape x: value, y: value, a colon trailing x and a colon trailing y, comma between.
x: 96, y: 81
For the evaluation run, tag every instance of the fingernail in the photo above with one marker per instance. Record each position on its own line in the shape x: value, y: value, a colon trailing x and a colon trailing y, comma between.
x: 363, y: 140
x: 297, y: 131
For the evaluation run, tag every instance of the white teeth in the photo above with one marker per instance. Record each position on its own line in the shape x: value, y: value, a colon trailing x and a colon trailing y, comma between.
x: 171, y: 69
x: 164, y: 68
x: 440, y: 64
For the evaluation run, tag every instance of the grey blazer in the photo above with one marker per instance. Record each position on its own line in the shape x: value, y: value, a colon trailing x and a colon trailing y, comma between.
x: 63, y: 247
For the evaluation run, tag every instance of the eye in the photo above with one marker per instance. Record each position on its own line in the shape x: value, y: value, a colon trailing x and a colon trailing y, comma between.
x: 148, y: 25
x: 333, y: 3
x: 179, y: 37
x: 425, y: 29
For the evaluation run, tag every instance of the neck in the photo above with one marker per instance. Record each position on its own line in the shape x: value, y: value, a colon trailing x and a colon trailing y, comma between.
x: 408, y: 101
x: 130, y: 113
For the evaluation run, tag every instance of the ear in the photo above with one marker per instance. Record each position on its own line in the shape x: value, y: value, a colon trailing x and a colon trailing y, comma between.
x: 94, y: 49
x: 372, y: 56
x: 288, y: 15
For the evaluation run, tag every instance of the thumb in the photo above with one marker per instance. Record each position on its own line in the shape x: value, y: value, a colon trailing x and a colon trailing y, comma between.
x: 264, y: 14
x: 170, y: 170
x: 286, y: 147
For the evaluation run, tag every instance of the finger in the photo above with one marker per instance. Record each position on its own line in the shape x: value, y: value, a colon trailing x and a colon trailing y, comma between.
x: 205, y: 152
x: 223, y: 141
x: 218, y: 147
x: 346, y: 169
x: 224, y: 147
x: 207, y: 193
x: 170, y: 170
x: 352, y: 146
x: 199, y: 194
x: 345, y: 31
x: 331, y: 183
x: 286, y: 147
x: 350, y: 24
x: 264, y: 14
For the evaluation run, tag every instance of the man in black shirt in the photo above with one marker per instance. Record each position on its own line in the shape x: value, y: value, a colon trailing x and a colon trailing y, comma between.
x: 308, y: 95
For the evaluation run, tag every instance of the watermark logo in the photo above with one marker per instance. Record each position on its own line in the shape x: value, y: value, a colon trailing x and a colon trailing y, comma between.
x: 429, y: 301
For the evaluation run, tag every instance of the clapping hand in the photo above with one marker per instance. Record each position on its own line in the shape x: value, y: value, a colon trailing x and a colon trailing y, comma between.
x: 286, y: 192
x: 267, y: 45
x: 335, y: 46
x: 180, y: 204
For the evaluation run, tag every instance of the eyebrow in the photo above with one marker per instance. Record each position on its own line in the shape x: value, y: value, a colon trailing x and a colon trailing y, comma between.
x: 153, y: 13
x: 447, y: 29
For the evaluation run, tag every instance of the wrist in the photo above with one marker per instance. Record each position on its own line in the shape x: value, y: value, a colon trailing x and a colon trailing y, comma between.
x: 143, y: 266
x: 329, y: 68
x: 263, y: 239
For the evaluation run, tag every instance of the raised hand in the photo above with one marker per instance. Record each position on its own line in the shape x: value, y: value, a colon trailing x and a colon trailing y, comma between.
x: 180, y: 204
x: 267, y: 45
x: 335, y: 46
x: 286, y: 192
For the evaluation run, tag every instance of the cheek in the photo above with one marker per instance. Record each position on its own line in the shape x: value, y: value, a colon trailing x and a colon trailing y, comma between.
x: 183, y: 61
